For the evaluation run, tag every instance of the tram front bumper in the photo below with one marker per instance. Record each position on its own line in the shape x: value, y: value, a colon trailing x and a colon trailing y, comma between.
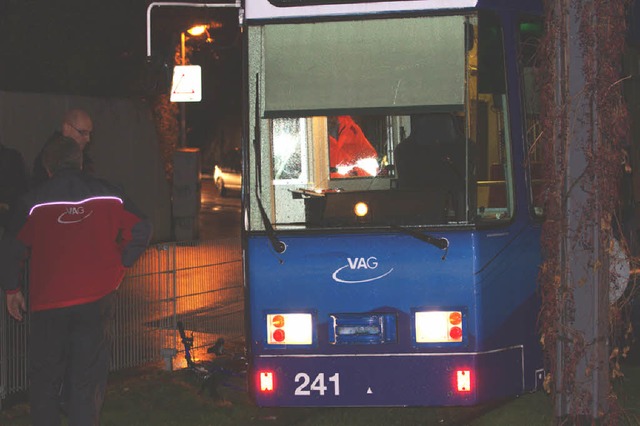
x: 392, y: 379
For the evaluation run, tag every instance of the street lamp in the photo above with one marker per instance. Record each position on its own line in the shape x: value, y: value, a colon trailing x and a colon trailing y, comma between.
x: 195, y: 31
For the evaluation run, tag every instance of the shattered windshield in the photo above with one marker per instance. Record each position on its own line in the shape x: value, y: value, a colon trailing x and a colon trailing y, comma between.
x: 384, y: 130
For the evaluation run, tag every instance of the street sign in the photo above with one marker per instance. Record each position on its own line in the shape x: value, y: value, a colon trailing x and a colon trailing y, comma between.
x: 187, y: 84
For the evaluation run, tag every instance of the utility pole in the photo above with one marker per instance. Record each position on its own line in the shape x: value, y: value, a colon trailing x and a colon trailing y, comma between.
x: 183, y: 106
x: 582, y: 382
x: 583, y: 193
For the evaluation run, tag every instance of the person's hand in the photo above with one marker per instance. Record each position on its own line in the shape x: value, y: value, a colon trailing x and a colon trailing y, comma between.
x: 16, y: 305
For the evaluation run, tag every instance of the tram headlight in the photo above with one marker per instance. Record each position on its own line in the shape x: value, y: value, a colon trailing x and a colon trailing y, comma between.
x: 289, y: 329
x: 438, y: 326
x: 361, y: 209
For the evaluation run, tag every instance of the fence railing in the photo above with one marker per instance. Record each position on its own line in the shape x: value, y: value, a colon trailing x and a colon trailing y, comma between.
x: 199, y: 283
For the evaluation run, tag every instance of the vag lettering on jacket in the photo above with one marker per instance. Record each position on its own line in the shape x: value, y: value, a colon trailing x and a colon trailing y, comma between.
x: 73, y: 214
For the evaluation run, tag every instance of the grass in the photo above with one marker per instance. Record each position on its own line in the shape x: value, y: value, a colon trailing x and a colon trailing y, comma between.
x: 151, y: 396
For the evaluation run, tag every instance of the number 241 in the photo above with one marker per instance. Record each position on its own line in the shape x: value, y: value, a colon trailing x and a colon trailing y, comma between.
x: 318, y: 385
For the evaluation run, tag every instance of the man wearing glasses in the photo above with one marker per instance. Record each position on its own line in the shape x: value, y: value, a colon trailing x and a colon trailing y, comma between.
x: 77, y: 125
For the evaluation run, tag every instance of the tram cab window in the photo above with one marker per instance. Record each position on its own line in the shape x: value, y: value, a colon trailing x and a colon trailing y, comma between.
x: 493, y: 168
x: 419, y: 134
x: 530, y: 33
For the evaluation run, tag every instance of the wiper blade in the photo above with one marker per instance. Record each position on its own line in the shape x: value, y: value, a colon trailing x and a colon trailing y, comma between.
x: 439, y: 242
x: 277, y: 245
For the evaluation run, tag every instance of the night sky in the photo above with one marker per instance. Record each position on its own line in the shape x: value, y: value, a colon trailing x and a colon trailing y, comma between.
x: 98, y: 48
x: 72, y: 46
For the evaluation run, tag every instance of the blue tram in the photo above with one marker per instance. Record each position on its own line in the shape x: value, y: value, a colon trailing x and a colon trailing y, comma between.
x: 391, y: 201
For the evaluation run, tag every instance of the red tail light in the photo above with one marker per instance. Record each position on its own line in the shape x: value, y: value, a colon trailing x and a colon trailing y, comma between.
x: 278, y: 335
x: 455, y: 333
x: 463, y: 380
x: 266, y: 382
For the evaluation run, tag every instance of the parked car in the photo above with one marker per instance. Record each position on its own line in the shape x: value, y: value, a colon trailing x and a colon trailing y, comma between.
x: 227, y: 174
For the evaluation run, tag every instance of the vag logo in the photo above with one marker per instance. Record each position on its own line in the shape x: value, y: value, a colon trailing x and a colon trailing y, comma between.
x: 362, y: 263
x: 359, y: 270
x: 73, y: 214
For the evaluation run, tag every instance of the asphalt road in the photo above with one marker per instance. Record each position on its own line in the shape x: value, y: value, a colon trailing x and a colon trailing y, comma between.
x: 220, y: 217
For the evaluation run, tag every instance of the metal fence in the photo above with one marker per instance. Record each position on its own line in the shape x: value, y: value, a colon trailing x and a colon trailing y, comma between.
x: 199, y: 283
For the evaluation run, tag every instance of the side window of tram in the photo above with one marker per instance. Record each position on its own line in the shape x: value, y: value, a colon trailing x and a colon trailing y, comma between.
x: 490, y: 122
x: 530, y: 32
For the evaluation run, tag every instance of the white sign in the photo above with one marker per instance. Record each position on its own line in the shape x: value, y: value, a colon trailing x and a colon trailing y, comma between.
x: 187, y: 84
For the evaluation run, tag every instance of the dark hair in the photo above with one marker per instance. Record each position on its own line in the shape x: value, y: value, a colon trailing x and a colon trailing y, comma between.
x: 61, y: 152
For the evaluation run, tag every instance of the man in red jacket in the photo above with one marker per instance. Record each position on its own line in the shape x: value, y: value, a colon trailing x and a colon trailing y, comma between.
x: 79, y: 233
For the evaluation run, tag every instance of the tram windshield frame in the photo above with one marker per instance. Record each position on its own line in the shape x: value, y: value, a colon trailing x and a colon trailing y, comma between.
x: 416, y: 135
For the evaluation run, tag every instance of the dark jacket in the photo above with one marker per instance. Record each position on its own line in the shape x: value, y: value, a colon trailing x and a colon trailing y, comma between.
x: 80, y: 232
x: 13, y: 180
x: 39, y: 173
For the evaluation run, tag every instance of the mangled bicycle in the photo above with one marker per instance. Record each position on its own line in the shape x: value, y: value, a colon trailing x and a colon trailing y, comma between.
x: 211, y: 374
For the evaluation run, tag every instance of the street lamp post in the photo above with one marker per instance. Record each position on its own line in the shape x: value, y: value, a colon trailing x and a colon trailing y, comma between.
x: 194, y: 31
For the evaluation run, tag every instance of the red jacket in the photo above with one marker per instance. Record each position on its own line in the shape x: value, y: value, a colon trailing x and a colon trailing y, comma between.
x: 350, y: 147
x: 80, y: 233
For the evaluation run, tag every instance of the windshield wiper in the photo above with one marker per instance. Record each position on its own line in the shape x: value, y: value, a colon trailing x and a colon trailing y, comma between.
x: 277, y: 245
x: 439, y: 242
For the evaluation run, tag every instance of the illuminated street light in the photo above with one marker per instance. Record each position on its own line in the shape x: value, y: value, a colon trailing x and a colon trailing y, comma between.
x: 195, y: 31
x: 198, y: 30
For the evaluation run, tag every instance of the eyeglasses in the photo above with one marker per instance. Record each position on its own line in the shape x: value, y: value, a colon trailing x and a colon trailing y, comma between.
x: 84, y: 133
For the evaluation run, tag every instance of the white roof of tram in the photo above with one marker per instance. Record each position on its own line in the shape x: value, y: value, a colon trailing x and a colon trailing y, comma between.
x: 262, y: 9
